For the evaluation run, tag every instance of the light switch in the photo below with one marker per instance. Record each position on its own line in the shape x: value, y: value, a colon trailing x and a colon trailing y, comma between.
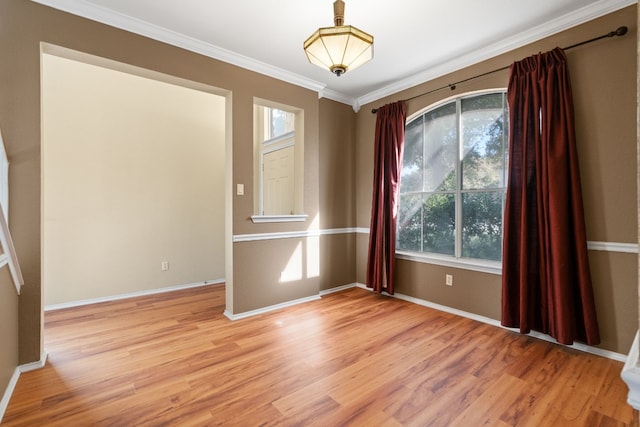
x: 240, y: 189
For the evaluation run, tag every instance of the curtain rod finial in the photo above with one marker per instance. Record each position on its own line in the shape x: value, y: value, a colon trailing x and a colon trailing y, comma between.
x: 621, y: 31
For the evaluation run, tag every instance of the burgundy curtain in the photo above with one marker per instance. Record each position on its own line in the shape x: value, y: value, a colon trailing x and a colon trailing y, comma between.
x: 389, y: 144
x: 546, y: 283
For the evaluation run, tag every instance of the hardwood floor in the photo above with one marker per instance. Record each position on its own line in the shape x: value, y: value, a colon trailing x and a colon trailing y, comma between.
x: 351, y: 358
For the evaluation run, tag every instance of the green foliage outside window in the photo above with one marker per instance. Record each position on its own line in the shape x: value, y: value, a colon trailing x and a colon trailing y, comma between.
x: 454, y: 169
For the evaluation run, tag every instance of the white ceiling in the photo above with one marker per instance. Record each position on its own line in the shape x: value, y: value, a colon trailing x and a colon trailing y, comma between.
x: 414, y: 40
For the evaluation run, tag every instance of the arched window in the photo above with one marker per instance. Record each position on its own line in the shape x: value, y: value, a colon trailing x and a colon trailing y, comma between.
x: 453, y: 183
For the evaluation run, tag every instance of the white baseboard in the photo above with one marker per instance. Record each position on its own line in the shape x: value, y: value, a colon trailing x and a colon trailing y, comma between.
x: 578, y: 346
x: 71, y: 304
x: 337, y: 289
x: 287, y: 304
x: 28, y: 367
x: 6, y: 397
x: 8, y: 392
x: 631, y: 375
x: 270, y: 308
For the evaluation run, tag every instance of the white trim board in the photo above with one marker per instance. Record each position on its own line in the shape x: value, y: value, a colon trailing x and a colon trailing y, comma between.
x: 462, y: 263
x: 630, y: 248
x: 577, y: 346
x: 8, y: 392
x: 71, y: 304
x: 10, y: 252
x: 291, y: 234
x: 270, y: 308
x: 11, y: 386
x: 278, y: 218
x: 337, y: 289
x: 38, y: 364
x: 288, y: 303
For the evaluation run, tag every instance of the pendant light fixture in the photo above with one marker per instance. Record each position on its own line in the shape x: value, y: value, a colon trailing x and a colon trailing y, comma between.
x: 340, y: 48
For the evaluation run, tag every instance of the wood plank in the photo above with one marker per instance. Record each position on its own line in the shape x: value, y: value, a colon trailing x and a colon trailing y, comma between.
x: 351, y: 358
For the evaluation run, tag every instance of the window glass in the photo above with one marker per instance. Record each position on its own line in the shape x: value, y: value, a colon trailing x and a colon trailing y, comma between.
x: 482, y: 124
x: 410, y: 222
x: 280, y: 122
x: 411, y: 178
x: 440, y: 138
x: 439, y: 224
x: 452, y: 187
x: 482, y: 225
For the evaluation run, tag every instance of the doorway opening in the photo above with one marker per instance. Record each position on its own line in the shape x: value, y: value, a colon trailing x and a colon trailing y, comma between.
x: 136, y: 189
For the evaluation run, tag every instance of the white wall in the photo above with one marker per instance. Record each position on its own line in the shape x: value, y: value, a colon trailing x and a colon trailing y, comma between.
x: 133, y: 175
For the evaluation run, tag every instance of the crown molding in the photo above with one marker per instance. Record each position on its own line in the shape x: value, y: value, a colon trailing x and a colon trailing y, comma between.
x: 339, y: 97
x: 585, y: 14
x: 106, y: 16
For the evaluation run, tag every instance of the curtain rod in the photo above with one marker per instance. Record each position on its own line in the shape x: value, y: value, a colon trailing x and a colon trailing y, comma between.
x: 621, y: 31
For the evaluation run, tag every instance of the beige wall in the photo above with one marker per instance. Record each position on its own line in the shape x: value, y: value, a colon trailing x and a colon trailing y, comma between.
x: 8, y: 329
x: 247, y: 293
x: 337, y: 192
x: 337, y: 151
x: 604, y: 87
x: 256, y: 283
x: 325, y: 262
x: 133, y: 175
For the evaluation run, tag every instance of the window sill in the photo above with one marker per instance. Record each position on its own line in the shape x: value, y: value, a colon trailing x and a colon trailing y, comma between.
x: 491, y: 267
x: 279, y: 218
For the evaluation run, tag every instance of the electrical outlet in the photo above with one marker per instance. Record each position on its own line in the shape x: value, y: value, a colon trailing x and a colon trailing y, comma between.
x: 165, y: 265
x: 448, y: 280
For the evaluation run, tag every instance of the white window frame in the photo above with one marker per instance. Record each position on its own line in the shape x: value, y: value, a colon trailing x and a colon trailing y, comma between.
x: 456, y: 260
x: 263, y: 143
x: 8, y: 255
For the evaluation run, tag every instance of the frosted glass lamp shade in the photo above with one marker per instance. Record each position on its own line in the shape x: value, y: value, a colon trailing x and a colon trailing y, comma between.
x: 339, y: 49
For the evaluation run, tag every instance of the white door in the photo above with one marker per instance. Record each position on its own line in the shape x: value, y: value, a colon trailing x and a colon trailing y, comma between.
x: 277, y: 181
